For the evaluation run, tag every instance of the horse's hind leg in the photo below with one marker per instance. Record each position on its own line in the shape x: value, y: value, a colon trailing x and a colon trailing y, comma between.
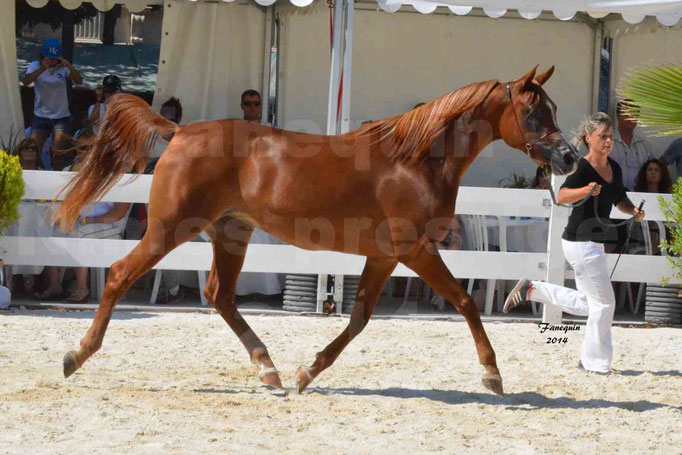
x: 372, y: 281
x: 160, y: 238
x: 427, y: 263
x: 230, y: 238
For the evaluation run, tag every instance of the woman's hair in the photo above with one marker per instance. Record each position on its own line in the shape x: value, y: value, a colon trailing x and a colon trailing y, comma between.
x: 589, y: 126
x: 174, y: 104
x: 541, y: 173
x: 664, y: 186
x: 26, y: 144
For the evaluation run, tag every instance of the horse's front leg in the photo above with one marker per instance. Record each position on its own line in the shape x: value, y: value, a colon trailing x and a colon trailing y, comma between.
x: 427, y: 263
x: 372, y: 281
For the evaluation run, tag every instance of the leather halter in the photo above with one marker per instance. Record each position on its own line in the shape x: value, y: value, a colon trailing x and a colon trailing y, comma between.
x: 529, y: 145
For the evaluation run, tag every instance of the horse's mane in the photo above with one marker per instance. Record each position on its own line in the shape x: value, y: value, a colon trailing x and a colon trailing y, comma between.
x: 412, y: 133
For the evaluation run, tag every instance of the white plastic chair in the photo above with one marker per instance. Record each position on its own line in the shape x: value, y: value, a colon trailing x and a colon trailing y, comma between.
x: 476, y: 228
x: 202, y: 275
x: 648, y: 249
x: 98, y: 275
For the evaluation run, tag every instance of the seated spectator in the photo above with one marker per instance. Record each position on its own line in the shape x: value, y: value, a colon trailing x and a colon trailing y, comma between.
x: 5, y: 294
x: 27, y: 150
x: 99, y: 221
x: 543, y: 178
x: 170, y: 110
x: 653, y: 177
x: 451, y: 241
x: 29, y: 223
x: 110, y: 86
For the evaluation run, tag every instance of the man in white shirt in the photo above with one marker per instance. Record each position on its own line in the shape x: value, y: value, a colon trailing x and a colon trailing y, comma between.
x: 630, y: 149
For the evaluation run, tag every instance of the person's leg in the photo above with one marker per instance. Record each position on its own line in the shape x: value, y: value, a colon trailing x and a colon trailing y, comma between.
x: 81, y: 293
x: 54, y: 286
x: 62, y: 141
x: 593, y: 280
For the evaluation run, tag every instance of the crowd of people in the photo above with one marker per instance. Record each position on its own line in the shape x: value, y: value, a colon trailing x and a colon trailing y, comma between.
x: 53, y: 141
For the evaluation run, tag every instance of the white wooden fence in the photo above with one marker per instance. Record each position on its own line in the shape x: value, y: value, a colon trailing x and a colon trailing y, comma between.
x: 72, y: 252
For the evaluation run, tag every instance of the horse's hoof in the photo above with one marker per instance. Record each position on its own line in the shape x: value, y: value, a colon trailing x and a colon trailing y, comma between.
x: 270, y: 376
x: 303, y: 378
x: 70, y: 364
x: 493, y: 382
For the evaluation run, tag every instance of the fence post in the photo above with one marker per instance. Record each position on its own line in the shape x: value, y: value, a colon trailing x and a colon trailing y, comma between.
x: 556, y: 268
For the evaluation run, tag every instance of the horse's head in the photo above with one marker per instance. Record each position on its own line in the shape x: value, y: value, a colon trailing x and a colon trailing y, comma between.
x: 529, y: 124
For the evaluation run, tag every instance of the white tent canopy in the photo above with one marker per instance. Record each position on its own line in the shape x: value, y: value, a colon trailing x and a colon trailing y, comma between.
x: 633, y: 11
x: 668, y: 12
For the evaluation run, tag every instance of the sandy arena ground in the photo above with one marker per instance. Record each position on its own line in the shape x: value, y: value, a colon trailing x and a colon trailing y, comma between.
x: 181, y: 383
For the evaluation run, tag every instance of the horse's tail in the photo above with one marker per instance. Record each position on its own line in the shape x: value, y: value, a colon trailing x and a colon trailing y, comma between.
x: 125, y: 136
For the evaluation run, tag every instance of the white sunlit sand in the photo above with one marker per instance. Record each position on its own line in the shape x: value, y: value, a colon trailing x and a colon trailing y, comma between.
x: 181, y: 383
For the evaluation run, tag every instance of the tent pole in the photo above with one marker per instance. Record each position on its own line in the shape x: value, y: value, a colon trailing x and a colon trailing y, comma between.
x: 347, y: 66
x: 335, y: 69
x: 265, y: 90
x: 596, y: 76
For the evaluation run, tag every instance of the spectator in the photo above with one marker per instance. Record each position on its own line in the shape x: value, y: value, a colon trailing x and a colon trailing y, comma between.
x: 257, y: 283
x: 51, y: 108
x: 110, y: 86
x: 99, y: 221
x: 44, y: 161
x: 673, y: 155
x: 451, y: 241
x: 27, y: 150
x: 171, y: 110
x: 251, y: 106
x: 29, y: 223
x: 653, y: 177
x: 630, y: 150
x: 5, y: 294
x: 543, y: 178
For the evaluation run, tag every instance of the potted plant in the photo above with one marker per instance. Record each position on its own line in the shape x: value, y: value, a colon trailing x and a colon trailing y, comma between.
x: 11, y: 189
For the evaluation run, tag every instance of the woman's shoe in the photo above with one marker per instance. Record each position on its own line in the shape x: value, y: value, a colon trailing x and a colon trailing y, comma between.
x: 518, y: 295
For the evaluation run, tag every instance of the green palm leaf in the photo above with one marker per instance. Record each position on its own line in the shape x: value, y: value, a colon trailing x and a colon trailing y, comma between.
x: 656, y: 94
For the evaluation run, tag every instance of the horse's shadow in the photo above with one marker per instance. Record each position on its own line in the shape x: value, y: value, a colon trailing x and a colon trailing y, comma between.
x: 524, y: 401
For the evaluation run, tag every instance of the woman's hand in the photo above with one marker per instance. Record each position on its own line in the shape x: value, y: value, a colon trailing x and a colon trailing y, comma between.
x: 588, y: 188
x: 639, y: 214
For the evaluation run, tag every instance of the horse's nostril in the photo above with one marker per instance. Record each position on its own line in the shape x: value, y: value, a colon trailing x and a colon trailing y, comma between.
x: 568, y: 158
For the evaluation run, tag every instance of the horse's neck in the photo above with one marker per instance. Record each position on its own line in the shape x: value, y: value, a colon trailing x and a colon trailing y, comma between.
x: 462, y: 142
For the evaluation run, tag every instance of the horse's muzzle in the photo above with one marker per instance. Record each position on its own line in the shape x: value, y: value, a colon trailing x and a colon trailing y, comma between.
x: 565, y: 160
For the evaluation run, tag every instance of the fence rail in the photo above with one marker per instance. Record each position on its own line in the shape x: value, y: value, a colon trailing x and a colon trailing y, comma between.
x: 289, y: 259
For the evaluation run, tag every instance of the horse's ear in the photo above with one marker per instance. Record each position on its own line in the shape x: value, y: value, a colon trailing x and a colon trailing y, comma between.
x: 527, y: 80
x: 542, y: 78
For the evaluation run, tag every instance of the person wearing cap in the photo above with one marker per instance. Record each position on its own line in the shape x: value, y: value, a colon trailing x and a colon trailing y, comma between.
x: 110, y: 86
x: 51, y: 108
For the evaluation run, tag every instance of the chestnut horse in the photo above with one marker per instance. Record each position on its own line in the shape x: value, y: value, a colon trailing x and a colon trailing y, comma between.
x: 386, y: 191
